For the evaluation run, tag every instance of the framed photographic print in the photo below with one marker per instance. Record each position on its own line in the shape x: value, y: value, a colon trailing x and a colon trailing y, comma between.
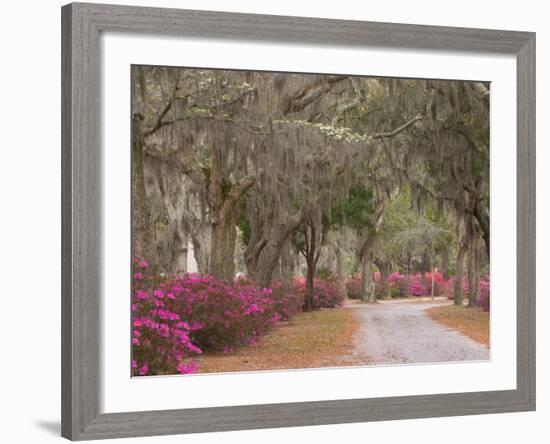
x: 278, y: 221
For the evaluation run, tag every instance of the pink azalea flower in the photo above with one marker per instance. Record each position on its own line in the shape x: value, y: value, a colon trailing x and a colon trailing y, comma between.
x: 144, y: 369
x: 189, y: 368
x: 140, y: 294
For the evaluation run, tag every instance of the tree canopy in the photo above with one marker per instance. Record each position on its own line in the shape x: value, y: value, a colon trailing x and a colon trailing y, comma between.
x: 252, y: 168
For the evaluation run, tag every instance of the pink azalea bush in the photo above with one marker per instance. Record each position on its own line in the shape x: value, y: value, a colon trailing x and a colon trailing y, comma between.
x: 325, y: 292
x: 447, y: 288
x: 231, y: 314
x: 161, y: 339
x: 401, y: 285
x: 353, y: 286
x: 450, y: 287
x: 178, y: 317
x: 484, y: 299
x: 484, y: 290
x: 288, y: 302
x: 396, y: 284
x: 417, y: 288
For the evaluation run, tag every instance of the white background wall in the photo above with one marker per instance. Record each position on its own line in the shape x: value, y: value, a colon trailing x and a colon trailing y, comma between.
x: 30, y: 221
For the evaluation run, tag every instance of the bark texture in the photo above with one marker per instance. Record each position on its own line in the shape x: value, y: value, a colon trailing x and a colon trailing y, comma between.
x: 461, y: 251
x: 223, y: 218
x: 141, y: 226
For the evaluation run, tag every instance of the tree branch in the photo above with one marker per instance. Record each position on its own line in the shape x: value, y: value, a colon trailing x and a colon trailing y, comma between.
x: 208, y: 109
x: 481, y: 92
x: 158, y: 125
x: 355, y: 102
x: 309, y: 93
x: 397, y: 130
x: 235, y: 194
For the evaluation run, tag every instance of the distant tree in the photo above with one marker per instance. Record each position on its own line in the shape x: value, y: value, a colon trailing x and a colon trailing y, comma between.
x: 425, y: 238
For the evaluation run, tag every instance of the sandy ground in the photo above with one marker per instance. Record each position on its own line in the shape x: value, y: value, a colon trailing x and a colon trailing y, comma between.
x: 401, y: 332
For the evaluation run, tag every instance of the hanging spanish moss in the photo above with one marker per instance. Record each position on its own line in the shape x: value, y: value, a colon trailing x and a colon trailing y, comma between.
x: 270, y: 165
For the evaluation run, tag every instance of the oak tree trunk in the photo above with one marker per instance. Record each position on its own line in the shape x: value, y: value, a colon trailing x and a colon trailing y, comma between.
x: 367, y: 290
x: 461, y: 251
x: 311, y: 252
x: 141, y: 229
x: 409, y: 260
x: 445, y: 263
x: 263, y: 255
x: 432, y: 291
x: 473, y: 268
x: 224, y: 235
x: 223, y: 199
x: 287, y: 266
x: 201, y: 240
x: 425, y: 266
x: 341, y: 273
x: 330, y: 261
x: 308, y: 300
x: 384, y: 289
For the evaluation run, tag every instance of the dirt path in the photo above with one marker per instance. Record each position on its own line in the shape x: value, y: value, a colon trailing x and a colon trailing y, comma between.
x: 401, y: 332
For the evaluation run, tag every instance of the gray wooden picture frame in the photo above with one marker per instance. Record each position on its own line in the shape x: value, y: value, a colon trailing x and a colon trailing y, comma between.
x: 81, y: 231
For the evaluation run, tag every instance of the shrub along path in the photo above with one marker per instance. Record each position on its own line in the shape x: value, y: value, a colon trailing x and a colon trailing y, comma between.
x: 402, y: 332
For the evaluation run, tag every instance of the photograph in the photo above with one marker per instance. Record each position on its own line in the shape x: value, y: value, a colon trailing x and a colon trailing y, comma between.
x: 274, y: 222
x: 286, y: 221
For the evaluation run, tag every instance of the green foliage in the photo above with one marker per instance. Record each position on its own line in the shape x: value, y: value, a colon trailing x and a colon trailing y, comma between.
x: 431, y: 167
x: 245, y: 230
x: 323, y: 273
x: 357, y: 210
x: 398, y: 217
x: 226, y: 186
x: 424, y: 238
x: 161, y: 222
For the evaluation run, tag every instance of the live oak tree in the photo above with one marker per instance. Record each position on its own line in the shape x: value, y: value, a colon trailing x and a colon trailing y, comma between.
x: 389, y: 254
x: 445, y: 158
x: 213, y: 160
x: 425, y: 238
x: 287, y: 158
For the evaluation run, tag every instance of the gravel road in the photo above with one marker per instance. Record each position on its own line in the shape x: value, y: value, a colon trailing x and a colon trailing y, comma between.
x: 402, y: 332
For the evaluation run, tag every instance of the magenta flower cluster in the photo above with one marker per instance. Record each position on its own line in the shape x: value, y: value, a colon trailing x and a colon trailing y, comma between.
x: 230, y: 314
x: 484, y: 297
x: 161, y: 338
x: 287, y: 300
x: 419, y: 287
x: 325, y: 292
x: 176, y: 318
x: 401, y: 285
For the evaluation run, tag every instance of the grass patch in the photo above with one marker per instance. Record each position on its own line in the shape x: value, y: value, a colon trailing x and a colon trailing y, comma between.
x: 471, y: 322
x: 310, y: 340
